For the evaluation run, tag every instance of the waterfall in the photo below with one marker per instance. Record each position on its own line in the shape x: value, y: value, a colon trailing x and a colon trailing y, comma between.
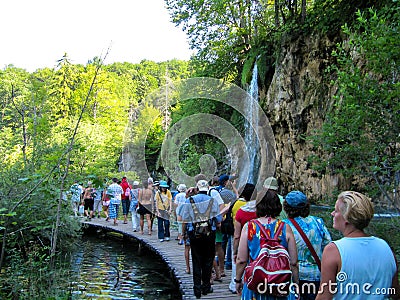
x: 251, y: 125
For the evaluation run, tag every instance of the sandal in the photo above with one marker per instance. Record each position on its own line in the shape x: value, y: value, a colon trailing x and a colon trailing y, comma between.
x: 216, y: 278
x: 219, y: 279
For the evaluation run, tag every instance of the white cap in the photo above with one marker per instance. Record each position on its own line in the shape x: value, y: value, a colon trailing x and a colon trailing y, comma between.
x: 202, y: 185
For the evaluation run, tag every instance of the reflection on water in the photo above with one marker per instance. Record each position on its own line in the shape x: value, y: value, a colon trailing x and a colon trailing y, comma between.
x: 112, y: 269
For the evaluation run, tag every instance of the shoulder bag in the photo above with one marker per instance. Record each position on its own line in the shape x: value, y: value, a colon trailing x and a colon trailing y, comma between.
x: 308, y: 243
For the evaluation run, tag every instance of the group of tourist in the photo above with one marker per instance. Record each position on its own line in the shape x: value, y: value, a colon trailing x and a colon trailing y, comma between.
x: 320, y: 268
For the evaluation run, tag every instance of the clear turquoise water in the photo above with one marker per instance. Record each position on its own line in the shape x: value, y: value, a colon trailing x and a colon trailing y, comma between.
x: 108, y: 268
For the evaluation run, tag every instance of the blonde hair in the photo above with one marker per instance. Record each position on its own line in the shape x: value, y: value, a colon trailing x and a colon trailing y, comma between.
x: 357, y: 208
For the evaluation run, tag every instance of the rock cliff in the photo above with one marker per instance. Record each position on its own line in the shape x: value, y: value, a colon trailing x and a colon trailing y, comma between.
x: 296, y: 101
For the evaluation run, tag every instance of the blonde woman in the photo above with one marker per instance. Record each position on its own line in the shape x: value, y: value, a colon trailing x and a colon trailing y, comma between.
x: 358, y: 266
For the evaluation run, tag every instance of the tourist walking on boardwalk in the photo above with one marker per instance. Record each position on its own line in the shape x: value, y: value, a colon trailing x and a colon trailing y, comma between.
x: 363, y: 262
x: 313, y: 228
x: 145, y: 200
x: 228, y: 191
x: 163, y: 211
x: 202, y: 215
x: 154, y: 186
x: 88, y: 200
x: 106, y: 202
x: 125, y: 198
x: 76, y: 196
x: 115, y: 192
x: 218, y: 267
x: 97, y: 207
x: 179, y: 200
x: 134, y: 196
x: 184, y: 238
x: 243, y: 216
x: 268, y: 209
x: 271, y: 184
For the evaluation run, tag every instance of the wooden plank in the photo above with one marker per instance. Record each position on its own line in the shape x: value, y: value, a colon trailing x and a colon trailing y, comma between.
x: 172, y: 254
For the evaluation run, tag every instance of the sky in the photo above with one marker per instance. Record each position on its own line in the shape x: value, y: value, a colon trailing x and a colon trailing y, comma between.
x: 36, y: 33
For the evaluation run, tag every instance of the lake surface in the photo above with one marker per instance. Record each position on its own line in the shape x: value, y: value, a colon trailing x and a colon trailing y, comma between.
x: 110, y: 268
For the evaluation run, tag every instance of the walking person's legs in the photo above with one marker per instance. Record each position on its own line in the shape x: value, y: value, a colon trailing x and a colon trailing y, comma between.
x: 135, y: 221
x: 149, y: 223
x: 141, y: 224
x: 195, y: 249
x: 161, y: 233
x: 167, y: 232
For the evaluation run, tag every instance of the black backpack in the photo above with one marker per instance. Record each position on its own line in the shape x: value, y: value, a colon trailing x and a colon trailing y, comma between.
x: 202, y: 228
x: 227, y: 226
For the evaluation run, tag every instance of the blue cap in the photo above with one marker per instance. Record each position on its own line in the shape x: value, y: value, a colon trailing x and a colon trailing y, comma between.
x: 163, y: 184
x: 296, y: 199
x: 223, y: 178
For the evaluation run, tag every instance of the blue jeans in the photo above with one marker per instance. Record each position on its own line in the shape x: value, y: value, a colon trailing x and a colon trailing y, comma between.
x: 227, y: 239
x: 163, y: 228
x: 125, y: 206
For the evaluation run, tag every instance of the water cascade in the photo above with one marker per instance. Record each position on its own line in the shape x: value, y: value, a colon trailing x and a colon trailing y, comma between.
x: 250, y: 126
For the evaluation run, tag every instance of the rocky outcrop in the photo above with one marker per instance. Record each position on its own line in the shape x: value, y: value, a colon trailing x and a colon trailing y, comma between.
x: 296, y: 102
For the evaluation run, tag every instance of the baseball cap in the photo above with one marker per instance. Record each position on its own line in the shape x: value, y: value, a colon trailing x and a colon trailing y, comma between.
x: 271, y: 183
x: 202, y: 185
x: 223, y: 178
x: 296, y: 199
x: 181, y: 187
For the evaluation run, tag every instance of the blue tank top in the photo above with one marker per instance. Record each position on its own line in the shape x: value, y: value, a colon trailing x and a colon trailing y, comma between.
x: 368, y: 266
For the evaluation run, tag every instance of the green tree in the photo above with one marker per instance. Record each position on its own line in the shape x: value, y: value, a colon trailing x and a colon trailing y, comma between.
x: 361, y: 134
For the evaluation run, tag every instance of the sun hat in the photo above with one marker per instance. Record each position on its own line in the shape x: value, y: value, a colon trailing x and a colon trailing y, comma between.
x: 156, y: 183
x: 135, y: 183
x: 164, y: 184
x: 296, y: 199
x: 181, y: 188
x: 202, y: 185
x: 271, y: 183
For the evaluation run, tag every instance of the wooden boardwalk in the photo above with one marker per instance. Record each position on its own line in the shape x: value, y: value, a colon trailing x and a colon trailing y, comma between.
x: 172, y: 254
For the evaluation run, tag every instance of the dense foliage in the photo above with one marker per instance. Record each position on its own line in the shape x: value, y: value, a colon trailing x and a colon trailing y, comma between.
x: 58, y: 126
x: 361, y: 132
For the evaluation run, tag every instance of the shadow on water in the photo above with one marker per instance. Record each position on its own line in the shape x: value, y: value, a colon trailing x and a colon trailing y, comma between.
x: 110, y: 268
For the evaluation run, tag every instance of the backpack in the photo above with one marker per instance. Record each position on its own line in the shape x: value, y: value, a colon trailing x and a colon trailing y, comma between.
x: 202, y: 228
x: 270, y: 272
x: 210, y: 189
x: 227, y: 226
